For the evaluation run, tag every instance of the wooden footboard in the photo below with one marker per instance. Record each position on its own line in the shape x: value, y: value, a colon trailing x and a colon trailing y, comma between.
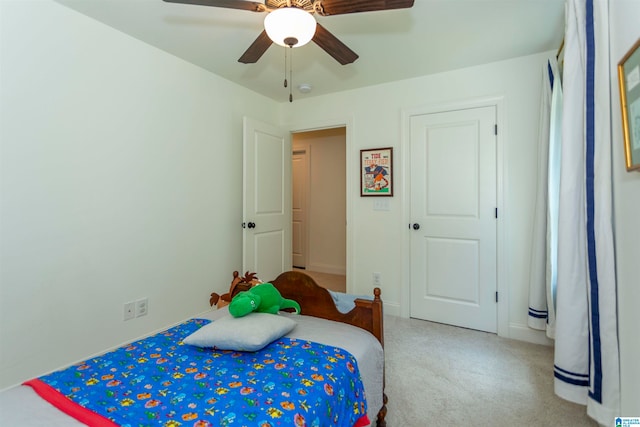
x: 316, y: 301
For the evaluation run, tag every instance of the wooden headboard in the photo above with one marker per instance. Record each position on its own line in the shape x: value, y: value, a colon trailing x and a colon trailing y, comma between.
x: 316, y: 301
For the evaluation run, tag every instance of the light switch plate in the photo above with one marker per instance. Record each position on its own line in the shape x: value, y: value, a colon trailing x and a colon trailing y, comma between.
x: 381, y: 204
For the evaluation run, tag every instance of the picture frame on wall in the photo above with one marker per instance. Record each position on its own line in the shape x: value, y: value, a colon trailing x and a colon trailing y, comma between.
x: 376, y: 172
x: 629, y: 82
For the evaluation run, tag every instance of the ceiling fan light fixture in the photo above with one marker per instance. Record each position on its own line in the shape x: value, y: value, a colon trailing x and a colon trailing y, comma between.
x: 290, y: 26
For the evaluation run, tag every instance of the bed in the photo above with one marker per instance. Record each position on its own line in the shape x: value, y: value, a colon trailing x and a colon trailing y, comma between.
x: 324, y: 347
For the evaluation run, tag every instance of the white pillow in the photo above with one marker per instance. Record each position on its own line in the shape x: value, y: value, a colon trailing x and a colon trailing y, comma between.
x: 248, y: 333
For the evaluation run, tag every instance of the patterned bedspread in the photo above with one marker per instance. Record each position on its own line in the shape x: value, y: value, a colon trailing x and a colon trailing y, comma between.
x: 159, y: 381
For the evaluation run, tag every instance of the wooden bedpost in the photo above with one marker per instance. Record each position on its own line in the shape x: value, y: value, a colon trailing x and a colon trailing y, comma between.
x: 378, y: 324
x: 382, y: 414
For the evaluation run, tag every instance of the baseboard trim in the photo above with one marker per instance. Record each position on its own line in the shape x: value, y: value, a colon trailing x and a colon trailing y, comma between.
x: 518, y: 331
x: 326, y: 268
x: 391, y: 308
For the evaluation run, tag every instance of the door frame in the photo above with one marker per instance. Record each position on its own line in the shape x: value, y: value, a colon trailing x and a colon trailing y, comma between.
x: 498, y: 102
x: 350, y: 191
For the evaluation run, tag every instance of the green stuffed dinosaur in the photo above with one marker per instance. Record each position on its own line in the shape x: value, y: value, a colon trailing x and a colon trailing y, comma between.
x: 262, y: 298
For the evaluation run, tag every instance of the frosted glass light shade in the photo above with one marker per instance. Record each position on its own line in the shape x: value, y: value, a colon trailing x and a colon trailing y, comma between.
x: 289, y: 22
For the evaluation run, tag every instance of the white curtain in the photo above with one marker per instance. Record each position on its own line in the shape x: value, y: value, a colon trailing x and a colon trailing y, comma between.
x: 586, y: 366
x: 542, y: 280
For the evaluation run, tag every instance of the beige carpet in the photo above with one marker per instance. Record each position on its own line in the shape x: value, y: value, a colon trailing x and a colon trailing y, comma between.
x: 333, y: 282
x: 439, y: 375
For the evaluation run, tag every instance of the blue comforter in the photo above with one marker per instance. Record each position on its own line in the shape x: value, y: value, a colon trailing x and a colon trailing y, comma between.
x: 159, y: 381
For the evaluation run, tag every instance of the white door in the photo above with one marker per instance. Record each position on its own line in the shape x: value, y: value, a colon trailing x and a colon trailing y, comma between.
x: 300, y: 172
x: 453, y: 214
x: 267, y: 199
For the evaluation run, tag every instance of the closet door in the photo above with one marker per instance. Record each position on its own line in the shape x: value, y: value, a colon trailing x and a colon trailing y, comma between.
x: 453, y: 211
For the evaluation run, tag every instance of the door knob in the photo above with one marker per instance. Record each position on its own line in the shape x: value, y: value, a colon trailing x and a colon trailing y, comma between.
x: 416, y: 226
x: 251, y: 225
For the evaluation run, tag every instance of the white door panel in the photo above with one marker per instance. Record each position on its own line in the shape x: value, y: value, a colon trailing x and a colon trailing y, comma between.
x: 451, y: 170
x: 267, y: 199
x: 299, y: 206
x: 444, y: 279
x: 269, y: 253
x: 453, y: 200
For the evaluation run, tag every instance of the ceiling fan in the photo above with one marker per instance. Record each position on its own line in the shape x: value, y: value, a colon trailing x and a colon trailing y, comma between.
x: 322, y: 37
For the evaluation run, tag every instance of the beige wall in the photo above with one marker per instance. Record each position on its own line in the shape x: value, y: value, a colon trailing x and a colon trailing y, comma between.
x: 327, y: 198
x: 120, y: 179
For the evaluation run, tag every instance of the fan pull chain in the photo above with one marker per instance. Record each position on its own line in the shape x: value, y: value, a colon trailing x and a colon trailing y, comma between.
x: 290, y: 74
x: 285, y: 67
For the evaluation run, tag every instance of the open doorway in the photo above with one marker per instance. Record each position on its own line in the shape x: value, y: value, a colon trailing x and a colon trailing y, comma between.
x: 319, y: 235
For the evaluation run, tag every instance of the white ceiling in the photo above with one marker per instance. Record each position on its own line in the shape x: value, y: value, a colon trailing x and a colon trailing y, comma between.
x: 431, y: 37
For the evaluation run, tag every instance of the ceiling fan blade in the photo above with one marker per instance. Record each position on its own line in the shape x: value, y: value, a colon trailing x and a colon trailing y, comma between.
x: 334, y: 47
x: 257, y: 49
x: 339, y: 7
x: 229, y: 4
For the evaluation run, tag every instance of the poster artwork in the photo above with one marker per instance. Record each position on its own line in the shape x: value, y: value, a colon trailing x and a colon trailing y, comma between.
x: 376, y: 172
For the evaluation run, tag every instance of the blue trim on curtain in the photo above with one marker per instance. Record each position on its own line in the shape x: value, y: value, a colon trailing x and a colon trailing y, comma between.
x: 596, y: 393
x: 571, y: 377
x: 540, y: 314
x: 550, y: 71
x: 581, y: 383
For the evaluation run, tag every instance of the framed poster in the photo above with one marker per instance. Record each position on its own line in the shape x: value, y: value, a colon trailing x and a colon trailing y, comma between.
x: 376, y: 172
x: 629, y: 82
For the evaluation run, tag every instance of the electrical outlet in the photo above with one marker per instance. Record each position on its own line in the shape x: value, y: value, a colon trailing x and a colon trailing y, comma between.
x: 129, y: 310
x: 377, y: 279
x: 142, y: 307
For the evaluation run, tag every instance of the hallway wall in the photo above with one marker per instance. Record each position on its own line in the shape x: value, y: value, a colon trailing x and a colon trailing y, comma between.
x: 326, y: 198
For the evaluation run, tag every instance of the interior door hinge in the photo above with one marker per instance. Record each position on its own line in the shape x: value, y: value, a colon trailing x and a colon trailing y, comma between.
x: 496, y: 213
x: 496, y: 296
x: 495, y: 129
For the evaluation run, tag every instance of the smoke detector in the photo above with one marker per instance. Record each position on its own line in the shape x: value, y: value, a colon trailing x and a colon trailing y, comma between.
x: 304, y: 88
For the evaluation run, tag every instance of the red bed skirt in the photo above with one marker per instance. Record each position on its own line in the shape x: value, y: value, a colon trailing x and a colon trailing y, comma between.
x: 89, y: 417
